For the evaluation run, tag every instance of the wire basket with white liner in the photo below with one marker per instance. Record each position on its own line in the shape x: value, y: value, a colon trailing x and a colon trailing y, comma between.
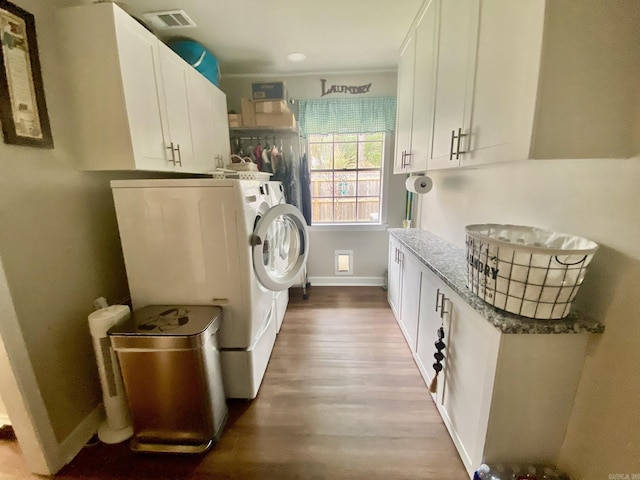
x: 526, y: 270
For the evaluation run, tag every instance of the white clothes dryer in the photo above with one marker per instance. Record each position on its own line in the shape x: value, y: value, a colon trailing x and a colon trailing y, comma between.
x: 213, y: 242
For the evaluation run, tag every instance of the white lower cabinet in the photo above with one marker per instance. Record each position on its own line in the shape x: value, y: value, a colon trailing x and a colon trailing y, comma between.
x: 430, y: 321
x: 503, y: 397
x: 403, y: 291
x: 393, y: 273
x: 409, y: 306
x: 466, y: 386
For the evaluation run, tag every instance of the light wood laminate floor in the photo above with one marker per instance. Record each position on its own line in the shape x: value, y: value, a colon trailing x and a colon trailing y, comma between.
x: 341, y: 399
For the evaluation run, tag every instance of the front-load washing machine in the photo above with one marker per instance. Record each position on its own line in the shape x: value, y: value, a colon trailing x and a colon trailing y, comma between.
x: 280, y: 298
x: 213, y: 242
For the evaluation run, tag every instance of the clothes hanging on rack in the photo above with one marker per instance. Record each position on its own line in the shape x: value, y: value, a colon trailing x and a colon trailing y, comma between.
x: 258, y: 155
x: 281, y: 155
x: 305, y: 189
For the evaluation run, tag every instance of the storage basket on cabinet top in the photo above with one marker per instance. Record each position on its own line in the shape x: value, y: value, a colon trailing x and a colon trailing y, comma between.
x: 524, y: 270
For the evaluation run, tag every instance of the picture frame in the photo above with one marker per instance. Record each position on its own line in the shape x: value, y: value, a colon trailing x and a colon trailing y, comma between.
x: 23, y: 109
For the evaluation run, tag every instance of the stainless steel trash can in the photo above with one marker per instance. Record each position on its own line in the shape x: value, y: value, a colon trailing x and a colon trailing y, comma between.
x: 171, y: 370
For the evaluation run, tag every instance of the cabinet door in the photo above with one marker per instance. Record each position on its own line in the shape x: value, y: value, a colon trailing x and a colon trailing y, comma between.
x: 429, y: 321
x: 506, y: 77
x: 410, y: 297
x: 423, y: 90
x: 394, y: 278
x: 468, y: 377
x: 174, y: 78
x: 221, y: 146
x: 141, y: 82
x: 209, y: 123
x: 202, y: 122
x: 458, y: 26
x: 404, y: 117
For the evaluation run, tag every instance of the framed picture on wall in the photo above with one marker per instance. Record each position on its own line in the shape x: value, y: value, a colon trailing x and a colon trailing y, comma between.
x: 23, y: 110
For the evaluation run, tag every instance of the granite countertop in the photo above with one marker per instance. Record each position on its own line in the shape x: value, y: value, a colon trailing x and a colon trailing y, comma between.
x: 448, y: 263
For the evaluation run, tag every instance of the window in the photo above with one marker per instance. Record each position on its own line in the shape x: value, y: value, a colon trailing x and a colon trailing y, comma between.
x: 346, y: 178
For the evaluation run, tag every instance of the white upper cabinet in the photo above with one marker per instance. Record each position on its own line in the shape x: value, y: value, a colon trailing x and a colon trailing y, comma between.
x: 207, y: 109
x: 457, y: 33
x: 424, y: 80
x: 503, y: 82
x: 219, y: 140
x: 527, y: 79
x: 114, y: 78
x: 415, y: 95
x: 404, y: 115
x: 130, y: 97
x: 174, y: 78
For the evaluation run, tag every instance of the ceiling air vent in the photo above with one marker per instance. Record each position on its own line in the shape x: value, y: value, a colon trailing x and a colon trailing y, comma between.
x: 169, y: 19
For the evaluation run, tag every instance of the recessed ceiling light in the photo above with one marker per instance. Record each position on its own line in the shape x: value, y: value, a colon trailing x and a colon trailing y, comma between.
x: 296, y: 57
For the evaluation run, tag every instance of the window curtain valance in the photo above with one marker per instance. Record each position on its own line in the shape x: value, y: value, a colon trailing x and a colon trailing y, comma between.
x: 347, y: 115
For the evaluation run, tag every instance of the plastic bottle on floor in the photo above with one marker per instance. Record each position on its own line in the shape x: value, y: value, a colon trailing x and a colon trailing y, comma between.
x: 482, y: 473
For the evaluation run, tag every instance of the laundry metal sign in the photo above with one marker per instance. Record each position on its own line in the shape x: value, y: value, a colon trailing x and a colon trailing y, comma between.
x: 353, y: 89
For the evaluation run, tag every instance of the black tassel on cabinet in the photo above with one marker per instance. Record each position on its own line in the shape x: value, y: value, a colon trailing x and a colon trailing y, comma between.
x: 439, y: 356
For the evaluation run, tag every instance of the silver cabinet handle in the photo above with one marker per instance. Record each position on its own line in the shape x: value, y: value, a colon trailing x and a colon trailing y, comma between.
x: 442, y: 310
x: 458, y: 152
x: 457, y: 137
x: 438, y: 299
x: 173, y: 153
x: 453, y: 138
x: 406, y: 158
x: 396, y: 255
x: 179, y: 161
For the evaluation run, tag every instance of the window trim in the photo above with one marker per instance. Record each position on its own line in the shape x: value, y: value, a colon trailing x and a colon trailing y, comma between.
x: 385, y: 168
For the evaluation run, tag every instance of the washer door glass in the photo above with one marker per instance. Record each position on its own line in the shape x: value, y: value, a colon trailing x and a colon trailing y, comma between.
x: 280, y: 246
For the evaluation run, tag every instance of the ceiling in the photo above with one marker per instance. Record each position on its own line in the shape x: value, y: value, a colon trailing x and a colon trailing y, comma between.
x: 255, y: 36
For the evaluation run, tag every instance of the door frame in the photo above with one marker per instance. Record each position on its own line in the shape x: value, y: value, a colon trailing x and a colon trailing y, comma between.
x: 21, y: 394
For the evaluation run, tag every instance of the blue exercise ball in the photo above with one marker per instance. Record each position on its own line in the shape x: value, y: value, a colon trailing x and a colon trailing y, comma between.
x: 199, y: 58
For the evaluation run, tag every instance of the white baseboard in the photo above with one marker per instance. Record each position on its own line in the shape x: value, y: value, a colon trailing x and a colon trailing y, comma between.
x: 4, y: 420
x: 342, y: 281
x: 77, y: 439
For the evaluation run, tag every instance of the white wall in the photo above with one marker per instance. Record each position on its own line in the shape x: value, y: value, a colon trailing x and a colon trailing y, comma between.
x: 60, y: 248
x: 597, y: 199
x: 4, y: 417
x: 304, y: 87
x: 369, y: 246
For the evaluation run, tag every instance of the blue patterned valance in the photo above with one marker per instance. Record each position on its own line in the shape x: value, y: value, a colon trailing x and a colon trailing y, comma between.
x: 347, y: 115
